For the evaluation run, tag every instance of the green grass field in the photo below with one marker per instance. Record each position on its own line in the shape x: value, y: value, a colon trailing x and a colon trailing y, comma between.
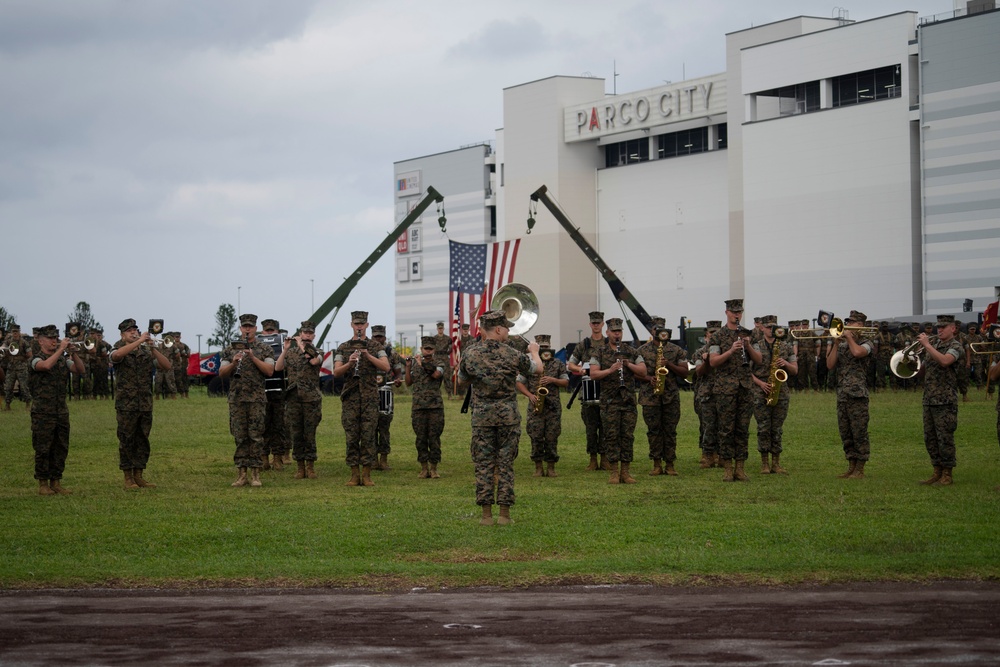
x: 194, y: 530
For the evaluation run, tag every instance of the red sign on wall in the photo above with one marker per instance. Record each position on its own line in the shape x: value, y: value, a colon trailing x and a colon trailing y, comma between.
x: 403, y: 244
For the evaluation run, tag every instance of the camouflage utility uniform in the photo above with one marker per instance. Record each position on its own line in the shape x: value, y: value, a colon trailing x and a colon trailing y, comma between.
x: 852, y: 399
x: 49, y: 417
x: 940, y: 404
x: 733, y: 398
x: 17, y: 370
x: 545, y: 426
x: 661, y: 413
x: 618, y: 411
x: 771, y: 419
x: 134, y: 406
x: 427, y: 415
x: 590, y: 414
x: 303, y: 402
x: 247, y: 406
x: 359, y: 404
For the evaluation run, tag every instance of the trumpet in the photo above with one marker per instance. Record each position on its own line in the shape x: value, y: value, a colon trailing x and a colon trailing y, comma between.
x: 985, y: 348
x: 87, y: 344
x: 540, y: 395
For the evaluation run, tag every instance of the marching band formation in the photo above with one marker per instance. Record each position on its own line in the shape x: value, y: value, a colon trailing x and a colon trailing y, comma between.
x: 276, y: 405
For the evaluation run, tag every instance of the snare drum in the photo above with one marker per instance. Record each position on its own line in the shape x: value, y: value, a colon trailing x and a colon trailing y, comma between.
x: 590, y: 391
x: 274, y: 385
x: 385, y: 400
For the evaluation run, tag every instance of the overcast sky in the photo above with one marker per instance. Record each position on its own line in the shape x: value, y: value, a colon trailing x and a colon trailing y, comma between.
x: 159, y: 158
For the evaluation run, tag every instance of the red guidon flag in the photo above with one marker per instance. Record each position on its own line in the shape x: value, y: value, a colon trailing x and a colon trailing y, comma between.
x: 990, y: 314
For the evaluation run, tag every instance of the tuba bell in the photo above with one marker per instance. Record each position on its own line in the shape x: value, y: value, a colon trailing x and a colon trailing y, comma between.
x: 519, y: 305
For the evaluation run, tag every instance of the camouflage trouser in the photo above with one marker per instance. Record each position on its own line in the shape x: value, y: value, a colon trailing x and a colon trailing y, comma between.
x: 359, y: 419
x: 661, y: 428
x: 79, y: 386
x: 494, y: 449
x: 163, y: 383
x: 770, y: 422
x: 383, y: 445
x: 618, y: 430
x: 733, y: 413
x: 806, y: 377
x: 852, y: 420
x: 302, y: 419
x: 99, y: 380
x: 246, y: 423
x: 591, y: 416
x: 20, y: 375
x: 50, y: 440
x: 998, y: 427
x: 133, y: 438
x: 544, y: 431
x: 940, y: 423
x: 181, y: 381
x: 428, y: 425
x: 962, y: 374
x: 708, y: 425
x: 276, y: 441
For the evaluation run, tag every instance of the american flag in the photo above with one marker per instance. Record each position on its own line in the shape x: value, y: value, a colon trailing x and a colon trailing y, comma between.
x: 478, y: 270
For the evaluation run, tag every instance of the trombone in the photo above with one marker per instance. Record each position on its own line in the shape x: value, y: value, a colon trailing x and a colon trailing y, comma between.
x: 834, y: 332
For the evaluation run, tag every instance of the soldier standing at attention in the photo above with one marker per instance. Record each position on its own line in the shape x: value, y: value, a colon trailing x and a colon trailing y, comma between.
x: 17, y: 367
x: 442, y: 356
x: 848, y: 358
x: 133, y: 357
x: 943, y: 358
x: 780, y: 355
x: 247, y: 362
x: 730, y: 354
x: 424, y: 375
x: 660, y: 398
x: 301, y: 361
x: 99, y: 362
x: 615, y: 366
x: 590, y: 412
x: 359, y: 361
x: 545, y: 411
x: 182, y: 354
x: 492, y: 367
x: 49, y: 369
x: 805, y: 354
x: 466, y: 338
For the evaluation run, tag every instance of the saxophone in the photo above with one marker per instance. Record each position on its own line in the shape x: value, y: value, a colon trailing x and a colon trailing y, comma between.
x: 540, y: 395
x: 661, y: 372
x: 777, y: 375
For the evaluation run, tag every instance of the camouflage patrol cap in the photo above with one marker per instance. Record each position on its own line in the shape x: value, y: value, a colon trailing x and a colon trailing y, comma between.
x: 973, y: 326
x: 657, y: 330
x: 248, y: 318
x: 378, y: 330
x: 927, y: 325
x: 596, y: 316
x: 543, y: 340
x: 734, y: 305
x: 494, y: 318
x: 99, y: 330
x: 659, y: 321
x: 308, y: 325
x: 857, y: 316
x: 359, y: 317
x: 125, y: 325
x: 15, y: 327
x: 465, y: 327
x: 48, y: 331
x: 440, y: 324
x: 269, y: 324
x: 756, y: 320
x: 769, y: 320
x: 427, y: 341
x: 614, y: 324
x: 942, y: 320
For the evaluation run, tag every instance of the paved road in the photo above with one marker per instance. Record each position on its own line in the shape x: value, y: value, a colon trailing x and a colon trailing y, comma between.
x: 876, y: 624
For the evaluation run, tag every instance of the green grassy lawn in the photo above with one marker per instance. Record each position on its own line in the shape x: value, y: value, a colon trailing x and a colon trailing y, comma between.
x: 195, y: 530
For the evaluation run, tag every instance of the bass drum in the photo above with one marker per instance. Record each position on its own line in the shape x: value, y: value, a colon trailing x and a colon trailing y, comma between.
x: 384, y: 400
x: 591, y: 391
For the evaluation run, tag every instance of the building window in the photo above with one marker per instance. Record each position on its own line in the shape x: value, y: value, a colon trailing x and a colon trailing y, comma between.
x: 867, y: 86
x: 626, y: 152
x: 687, y: 142
x: 722, y: 134
x: 789, y: 100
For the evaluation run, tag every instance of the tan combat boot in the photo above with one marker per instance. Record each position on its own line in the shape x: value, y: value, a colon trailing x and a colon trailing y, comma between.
x: 727, y: 466
x: 242, y: 479
x: 355, y: 476
x: 776, y: 466
x: 57, y: 487
x: 424, y: 472
x: 255, y: 477
x: 593, y: 462
x: 765, y: 466
x: 657, y: 468
x: 626, y: 477
x: 139, y: 481
x: 740, y: 474
x: 383, y: 461
x: 265, y: 463
x: 434, y: 471
x: 44, y: 489
x: 366, y: 476
x: 300, y: 472
x: 850, y: 469
x: 276, y: 463
x: 310, y: 470
x: 945, y: 478
x: 859, y: 471
x: 716, y: 463
x: 605, y: 463
x: 487, y: 519
x: 538, y: 470
x: 551, y: 469
x: 615, y: 478
x: 706, y: 460
x: 935, y: 477
x: 669, y: 470
x: 504, y: 519
x: 130, y: 480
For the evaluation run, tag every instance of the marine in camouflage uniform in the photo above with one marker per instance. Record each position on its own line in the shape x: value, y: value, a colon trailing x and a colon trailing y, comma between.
x: 133, y: 358
x: 704, y: 400
x: 466, y: 338
x: 883, y: 376
x: 17, y: 367
x: 247, y: 401
x: 492, y: 367
x: 182, y: 355
x: 729, y: 355
x: 387, y: 382
x: 301, y: 362
x: 359, y: 397
x: 992, y: 376
x: 662, y: 412
x: 848, y: 359
x: 805, y: 354
x: 943, y: 357
x: 544, y: 412
x: 616, y: 366
x: 277, y: 444
x: 442, y: 356
x: 590, y: 413
x: 47, y: 377
x: 99, y: 364
x: 424, y: 376
x: 771, y: 418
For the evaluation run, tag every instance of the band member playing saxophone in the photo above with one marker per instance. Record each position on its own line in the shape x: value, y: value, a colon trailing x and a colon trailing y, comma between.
x: 660, y: 398
x: 770, y: 400
x: 544, y: 423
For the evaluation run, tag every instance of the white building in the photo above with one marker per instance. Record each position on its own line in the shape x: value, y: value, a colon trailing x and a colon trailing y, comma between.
x: 835, y: 165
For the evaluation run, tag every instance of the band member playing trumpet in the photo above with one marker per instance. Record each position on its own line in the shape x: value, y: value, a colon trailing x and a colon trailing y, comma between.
x: 301, y: 361
x: 134, y: 363
x: 359, y: 361
x: 660, y: 398
x: 247, y: 362
x: 848, y: 358
x: 943, y: 357
x: 616, y: 366
x: 770, y: 403
x: 424, y: 375
x: 590, y: 411
x: 545, y: 412
x: 16, y: 356
x: 730, y: 354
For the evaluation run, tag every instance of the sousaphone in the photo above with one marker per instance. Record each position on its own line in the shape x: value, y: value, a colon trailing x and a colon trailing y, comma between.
x: 519, y: 305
